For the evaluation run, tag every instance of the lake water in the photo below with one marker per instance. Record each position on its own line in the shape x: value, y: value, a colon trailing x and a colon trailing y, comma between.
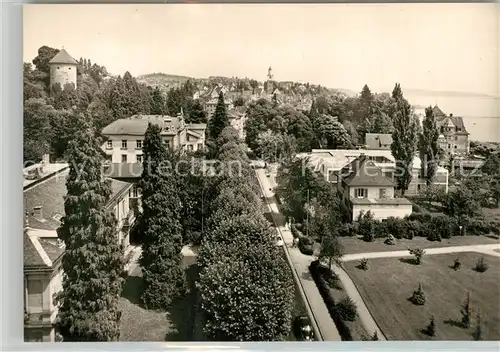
x: 481, y: 114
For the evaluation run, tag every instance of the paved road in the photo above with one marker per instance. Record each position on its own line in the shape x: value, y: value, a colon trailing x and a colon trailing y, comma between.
x: 301, y: 264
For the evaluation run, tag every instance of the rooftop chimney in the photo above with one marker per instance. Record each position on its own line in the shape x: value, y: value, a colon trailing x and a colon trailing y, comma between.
x: 38, y: 213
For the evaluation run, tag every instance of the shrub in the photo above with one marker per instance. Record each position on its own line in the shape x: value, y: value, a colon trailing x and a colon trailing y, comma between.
x: 477, y: 226
x: 415, y: 208
x: 390, y: 240
x: 363, y: 264
x: 316, y: 272
x: 306, y: 245
x: 495, y: 226
x: 374, y: 336
x: 346, y: 308
x: 422, y: 217
x: 456, y: 264
x: 396, y: 226
x: 380, y: 229
x: 418, y: 297
x: 418, y: 253
x: 481, y: 265
x: 367, y: 226
x: 296, y: 233
x: 431, y: 328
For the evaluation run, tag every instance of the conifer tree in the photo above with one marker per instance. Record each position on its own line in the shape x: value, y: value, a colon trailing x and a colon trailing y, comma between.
x: 197, y: 113
x: 404, y: 138
x: 428, y: 145
x: 92, y: 261
x: 157, y: 102
x: 219, y: 120
x: 162, y: 238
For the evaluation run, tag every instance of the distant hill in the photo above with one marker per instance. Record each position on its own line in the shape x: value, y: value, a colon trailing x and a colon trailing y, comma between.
x: 162, y: 79
x: 440, y: 93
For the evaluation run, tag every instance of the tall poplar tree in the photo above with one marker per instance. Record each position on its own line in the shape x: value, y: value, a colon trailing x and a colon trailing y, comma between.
x: 404, y: 138
x: 428, y: 145
x: 92, y: 261
x: 219, y: 120
x: 161, y: 255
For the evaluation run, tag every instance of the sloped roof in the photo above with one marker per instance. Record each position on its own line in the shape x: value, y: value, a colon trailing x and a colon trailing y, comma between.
x: 438, y: 112
x: 137, y: 125
x: 363, y: 172
x: 381, y: 201
x: 62, y: 57
x: 31, y: 257
x: 376, y: 140
x: 50, y: 195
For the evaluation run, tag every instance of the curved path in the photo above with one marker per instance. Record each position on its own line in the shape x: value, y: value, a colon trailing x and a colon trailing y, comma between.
x: 301, y: 263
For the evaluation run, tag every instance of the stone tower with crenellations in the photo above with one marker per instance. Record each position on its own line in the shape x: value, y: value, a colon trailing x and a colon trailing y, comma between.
x: 63, y: 69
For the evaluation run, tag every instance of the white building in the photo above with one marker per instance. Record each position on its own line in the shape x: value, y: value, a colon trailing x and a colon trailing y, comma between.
x: 125, y: 137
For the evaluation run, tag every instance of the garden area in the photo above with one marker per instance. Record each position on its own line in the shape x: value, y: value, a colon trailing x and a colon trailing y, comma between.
x: 388, y: 285
x: 174, y: 325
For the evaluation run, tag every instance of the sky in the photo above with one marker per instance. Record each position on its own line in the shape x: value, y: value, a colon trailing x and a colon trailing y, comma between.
x: 445, y: 47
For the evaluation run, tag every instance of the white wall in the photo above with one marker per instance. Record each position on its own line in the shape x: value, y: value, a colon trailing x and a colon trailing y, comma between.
x: 373, y: 192
x: 381, y: 211
x: 62, y: 74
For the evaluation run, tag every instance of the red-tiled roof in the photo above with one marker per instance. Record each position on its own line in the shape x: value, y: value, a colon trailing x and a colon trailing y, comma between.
x: 62, y: 57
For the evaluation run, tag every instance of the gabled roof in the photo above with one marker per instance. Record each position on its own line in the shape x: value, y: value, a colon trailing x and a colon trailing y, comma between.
x: 196, y: 126
x: 194, y: 134
x: 377, y: 140
x: 62, y: 57
x: 438, y: 112
x: 363, y: 172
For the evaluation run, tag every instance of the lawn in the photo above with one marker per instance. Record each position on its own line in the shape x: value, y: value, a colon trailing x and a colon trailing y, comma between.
x: 139, y: 324
x: 388, y: 283
x: 355, y: 245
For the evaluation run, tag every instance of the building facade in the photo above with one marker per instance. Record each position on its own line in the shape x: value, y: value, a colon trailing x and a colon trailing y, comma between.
x: 366, y: 188
x: 328, y: 161
x: 125, y: 137
x: 44, y: 209
x: 454, y: 138
x: 63, y: 69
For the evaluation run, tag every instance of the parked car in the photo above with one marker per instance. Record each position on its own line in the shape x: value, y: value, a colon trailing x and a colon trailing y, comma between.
x: 302, y: 328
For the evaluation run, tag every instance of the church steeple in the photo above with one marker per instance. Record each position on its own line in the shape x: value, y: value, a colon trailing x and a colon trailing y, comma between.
x: 270, y: 74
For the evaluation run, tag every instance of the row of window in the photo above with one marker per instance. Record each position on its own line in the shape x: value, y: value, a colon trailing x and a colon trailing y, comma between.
x: 363, y: 192
x: 138, y: 157
x: 138, y: 144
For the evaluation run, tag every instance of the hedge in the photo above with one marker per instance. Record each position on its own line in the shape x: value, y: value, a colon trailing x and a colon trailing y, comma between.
x: 306, y: 245
x: 318, y: 275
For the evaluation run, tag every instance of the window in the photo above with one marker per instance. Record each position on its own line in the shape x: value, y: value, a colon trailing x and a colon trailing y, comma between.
x: 138, y: 144
x: 190, y: 147
x: 456, y: 138
x: 200, y: 146
x: 449, y: 146
x: 35, y: 296
x: 124, y: 144
x: 360, y: 192
x: 455, y: 147
x: 109, y: 144
x: 382, y: 193
x: 124, y: 158
x: 34, y: 336
x: 418, y: 188
x: 139, y: 158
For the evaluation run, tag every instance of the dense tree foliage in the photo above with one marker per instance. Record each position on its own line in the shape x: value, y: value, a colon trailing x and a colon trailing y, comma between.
x: 404, y: 138
x: 428, y: 146
x: 92, y: 261
x: 245, y: 285
x: 161, y: 222
x: 219, y: 120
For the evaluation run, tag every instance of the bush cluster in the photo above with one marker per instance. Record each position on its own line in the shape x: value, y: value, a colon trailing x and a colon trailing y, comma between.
x: 320, y: 277
x: 306, y: 245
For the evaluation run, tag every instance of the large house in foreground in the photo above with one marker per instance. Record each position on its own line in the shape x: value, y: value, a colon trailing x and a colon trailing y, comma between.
x: 44, y: 192
x: 125, y: 136
x: 329, y: 161
x: 366, y: 188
